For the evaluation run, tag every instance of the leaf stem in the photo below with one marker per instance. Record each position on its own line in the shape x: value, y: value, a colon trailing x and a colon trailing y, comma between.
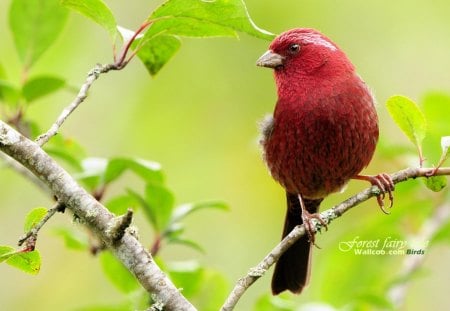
x: 122, y: 62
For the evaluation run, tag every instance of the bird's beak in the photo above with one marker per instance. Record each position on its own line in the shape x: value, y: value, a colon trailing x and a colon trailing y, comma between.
x: 270, y: 60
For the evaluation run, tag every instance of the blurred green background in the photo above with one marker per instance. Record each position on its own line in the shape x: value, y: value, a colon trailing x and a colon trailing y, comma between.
x: 198, y: 118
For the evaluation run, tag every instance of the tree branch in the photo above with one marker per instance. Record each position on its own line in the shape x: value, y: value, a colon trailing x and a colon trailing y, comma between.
x: 102, y: 222
x: 255, y: 273
x: 82, y: 94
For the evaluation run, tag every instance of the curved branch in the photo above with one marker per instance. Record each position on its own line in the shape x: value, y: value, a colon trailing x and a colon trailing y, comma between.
x: 127, y: 249
x: 255, y: 273
x: 82, y: 94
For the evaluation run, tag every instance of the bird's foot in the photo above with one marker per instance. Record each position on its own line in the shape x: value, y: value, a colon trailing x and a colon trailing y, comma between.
x: 432, y: 172
x: 384, y: 182
x: 309, y: 224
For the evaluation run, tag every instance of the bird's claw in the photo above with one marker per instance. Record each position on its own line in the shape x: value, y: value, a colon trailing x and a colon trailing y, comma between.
x: 385, y: 183
x: 432, y: 172
x: 310, y: 226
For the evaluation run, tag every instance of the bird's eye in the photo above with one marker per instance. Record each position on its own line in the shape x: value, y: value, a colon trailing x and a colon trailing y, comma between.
x: 294, y: 48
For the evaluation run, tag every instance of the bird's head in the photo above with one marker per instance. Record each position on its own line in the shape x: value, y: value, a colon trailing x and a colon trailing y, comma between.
x: 302, y: 51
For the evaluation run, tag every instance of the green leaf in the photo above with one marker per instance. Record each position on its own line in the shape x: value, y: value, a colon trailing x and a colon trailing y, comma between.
x: 409, y: 118
x: 9, y: 93
x: 157, y: 51
x: 6, y: 252
x: 29, y: 262
x: 118, y: 274
x: 72, y: 239
x: 274, y: 303
x: 35, y: 26
x: 159, y: 205
x: 33, y: 128
x: 204, y: 287
x: 174, y: 229
x: 186, y: 242
x: 214, y: 291
x: 148, y: 212
x: 98, y: 172
x: 436, y: 183
x: 97, y: 11
x: 192, y: 18
x: 67, y: 150
x: 147, y: 170
x: 183, y: 210
x: 173, y: 234
x: 188, y: 27
x: 376, y: 301
x: 119, y: 205
x: 41, y: 86
x: 92, y: 170
x: 187, y: 275
x: 207, y: 288
x: 200, y: 18
x: 34, y: 217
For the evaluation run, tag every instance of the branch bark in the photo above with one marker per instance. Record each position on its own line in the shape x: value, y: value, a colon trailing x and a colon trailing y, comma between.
x: 329, y: 215
x: 102, y: 222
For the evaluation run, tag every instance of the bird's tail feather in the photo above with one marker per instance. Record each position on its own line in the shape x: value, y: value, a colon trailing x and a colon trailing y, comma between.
x: 292, y: 269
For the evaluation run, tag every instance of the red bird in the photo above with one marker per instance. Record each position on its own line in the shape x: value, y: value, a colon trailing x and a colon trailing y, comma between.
x: 322, y: 134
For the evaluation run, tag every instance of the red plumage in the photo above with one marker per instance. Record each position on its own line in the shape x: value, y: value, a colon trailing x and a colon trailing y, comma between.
x: 323, y: 132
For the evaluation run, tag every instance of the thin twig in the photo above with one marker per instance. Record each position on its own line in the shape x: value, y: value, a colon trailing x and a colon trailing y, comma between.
x: 255, y: 273
x: 82, y: 94
x: 411, y: 264
x: 91, y: 77
x: 32, y: 234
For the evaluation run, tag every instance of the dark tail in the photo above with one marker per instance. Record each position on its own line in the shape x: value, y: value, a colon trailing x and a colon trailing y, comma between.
x: 292, y: 269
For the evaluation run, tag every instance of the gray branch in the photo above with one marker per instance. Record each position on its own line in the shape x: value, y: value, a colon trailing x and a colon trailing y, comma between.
x: 255, y: 273
x: 102, y: 222
x: 82, y: 94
